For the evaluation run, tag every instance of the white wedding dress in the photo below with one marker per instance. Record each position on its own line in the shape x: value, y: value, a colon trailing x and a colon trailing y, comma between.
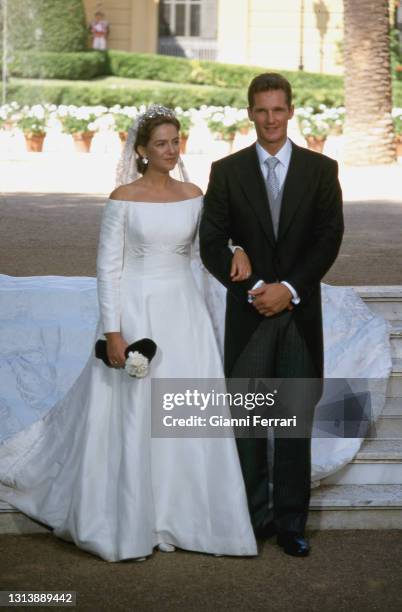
x: 89, y: 468
x: 76, y: 451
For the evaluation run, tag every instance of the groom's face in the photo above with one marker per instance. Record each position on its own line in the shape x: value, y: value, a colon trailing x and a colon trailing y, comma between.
x: 270, y: 114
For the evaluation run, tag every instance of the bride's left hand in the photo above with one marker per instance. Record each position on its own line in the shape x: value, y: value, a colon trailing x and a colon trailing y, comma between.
x: 241, y: 266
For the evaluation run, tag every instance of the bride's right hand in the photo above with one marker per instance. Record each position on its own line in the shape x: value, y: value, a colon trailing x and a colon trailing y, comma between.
x: 115, y: 348
x: 241, y: 266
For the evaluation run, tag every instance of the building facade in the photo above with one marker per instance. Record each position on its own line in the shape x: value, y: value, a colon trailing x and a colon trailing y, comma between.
x: 285, y: 35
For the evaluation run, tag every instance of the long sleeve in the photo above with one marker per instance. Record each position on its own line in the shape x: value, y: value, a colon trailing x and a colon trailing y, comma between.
x: 109, y: 264
x: 215, y: 235
x: 326, y: 235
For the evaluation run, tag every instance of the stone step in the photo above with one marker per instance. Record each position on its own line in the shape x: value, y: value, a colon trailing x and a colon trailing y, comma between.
x: 392, y: 408
x: 379, y: 460
x: 349, y: 506
x: 372, y: 451
x: 396, y: 339
x: 394, y: 388
x: 14, y: 522
x: 367, y: 472
x: 384, y: 300
x: 388, y: 428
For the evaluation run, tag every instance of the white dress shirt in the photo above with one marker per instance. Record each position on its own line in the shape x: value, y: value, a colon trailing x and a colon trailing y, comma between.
x: 283, y: 156
x: 281, y: 170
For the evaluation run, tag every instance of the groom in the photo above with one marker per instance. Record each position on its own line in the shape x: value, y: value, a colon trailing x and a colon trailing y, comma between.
x: 282, y: 204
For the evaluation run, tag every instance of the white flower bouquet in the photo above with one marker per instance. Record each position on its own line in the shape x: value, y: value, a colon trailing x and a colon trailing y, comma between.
x: 138, y: 355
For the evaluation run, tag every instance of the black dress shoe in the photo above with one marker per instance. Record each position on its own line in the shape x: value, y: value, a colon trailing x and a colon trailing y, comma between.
x: 293, y: 544
x: 266, y: 532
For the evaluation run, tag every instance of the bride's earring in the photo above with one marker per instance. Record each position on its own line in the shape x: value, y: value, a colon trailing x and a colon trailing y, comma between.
x: 145, y: 160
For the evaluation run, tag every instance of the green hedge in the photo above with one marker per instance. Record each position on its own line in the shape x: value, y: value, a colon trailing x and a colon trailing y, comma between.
x: 51, y: 65
x: 170, y: 80
x: 179, y: 70
x: 149, y: 66
x: 47, y: 25
x: 25, y: 91
x: 109, y: 91
x: 308, y: 88
x: 232, y: 81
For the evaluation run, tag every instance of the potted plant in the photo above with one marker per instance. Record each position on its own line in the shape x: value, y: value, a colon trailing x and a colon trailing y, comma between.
x: 223, y: 123
x: 123, y: 119
x: 314, y: 126
x: 33, y: 123
x: 243, y: 122
x: 80, y: 122
x: 8, y: 114
x: 397, y: 119
x: 186, y: 123
x: 334, y: 116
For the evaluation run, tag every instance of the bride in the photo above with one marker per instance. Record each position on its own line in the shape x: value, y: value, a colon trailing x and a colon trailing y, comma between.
x: 90, y: 468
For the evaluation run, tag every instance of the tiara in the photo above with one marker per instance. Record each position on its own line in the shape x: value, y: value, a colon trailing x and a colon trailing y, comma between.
x: 155, y: 110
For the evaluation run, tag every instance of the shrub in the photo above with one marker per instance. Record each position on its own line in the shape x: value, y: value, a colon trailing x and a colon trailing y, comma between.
x: 33, y: 121
x: 179, y: 70
x: 148, y: 66
x: 82, y: 65
x: 47, y: 25
x: 100, y: 93
x: 109, y: 92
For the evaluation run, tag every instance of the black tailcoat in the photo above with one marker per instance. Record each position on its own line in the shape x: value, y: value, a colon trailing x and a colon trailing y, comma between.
x: 310, y: 231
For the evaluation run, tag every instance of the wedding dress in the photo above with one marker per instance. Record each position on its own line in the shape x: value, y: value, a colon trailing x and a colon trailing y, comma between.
x: 76, y: 451
x: 89, y: 467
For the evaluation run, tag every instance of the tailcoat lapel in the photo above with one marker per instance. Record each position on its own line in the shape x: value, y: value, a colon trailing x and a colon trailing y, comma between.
x: 253, y: 186
x: 293, y: 188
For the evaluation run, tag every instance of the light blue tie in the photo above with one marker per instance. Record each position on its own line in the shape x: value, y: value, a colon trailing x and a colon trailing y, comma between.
x: 272, y: 178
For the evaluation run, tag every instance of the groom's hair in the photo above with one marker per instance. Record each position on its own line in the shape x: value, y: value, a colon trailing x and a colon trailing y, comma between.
x: 269, y: 81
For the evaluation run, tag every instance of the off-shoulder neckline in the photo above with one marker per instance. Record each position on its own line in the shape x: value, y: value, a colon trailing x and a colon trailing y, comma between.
x: 163, y: 203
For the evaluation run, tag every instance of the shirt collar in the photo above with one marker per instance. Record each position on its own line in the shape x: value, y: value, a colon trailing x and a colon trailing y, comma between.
x: 283, y: 155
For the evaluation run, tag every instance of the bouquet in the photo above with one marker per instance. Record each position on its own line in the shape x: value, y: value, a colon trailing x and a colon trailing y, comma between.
x: 138, y: 355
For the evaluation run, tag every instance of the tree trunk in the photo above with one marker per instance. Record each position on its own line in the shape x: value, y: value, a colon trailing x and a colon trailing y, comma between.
x: 369, y: 134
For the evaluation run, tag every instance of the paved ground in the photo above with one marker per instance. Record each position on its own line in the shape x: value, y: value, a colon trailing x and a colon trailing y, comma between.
x: 57, y: 233
x: 347, y: 571
x: 51, y: 208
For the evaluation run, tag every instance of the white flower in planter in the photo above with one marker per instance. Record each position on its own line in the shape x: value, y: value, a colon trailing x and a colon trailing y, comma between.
x: 37, y: 111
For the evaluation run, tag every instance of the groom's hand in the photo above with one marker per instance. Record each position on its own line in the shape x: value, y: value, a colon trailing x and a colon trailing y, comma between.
x: 270, y: 299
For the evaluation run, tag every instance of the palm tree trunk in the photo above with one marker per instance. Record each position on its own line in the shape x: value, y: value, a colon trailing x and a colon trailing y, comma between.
x: 369, y: 134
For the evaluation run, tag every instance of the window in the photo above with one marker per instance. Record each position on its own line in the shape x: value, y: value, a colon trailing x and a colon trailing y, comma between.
x: 180, y: 17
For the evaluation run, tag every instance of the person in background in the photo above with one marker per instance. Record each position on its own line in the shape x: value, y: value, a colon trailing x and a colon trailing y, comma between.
x: 99, y: 29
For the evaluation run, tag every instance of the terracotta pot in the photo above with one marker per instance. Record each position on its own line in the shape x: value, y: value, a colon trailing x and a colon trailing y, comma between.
x: 183, y: 144
x: 34, y: 142
x: 82, y: 141
x: 316, y: 143
x: 230, y: 139
x: 398, y: 142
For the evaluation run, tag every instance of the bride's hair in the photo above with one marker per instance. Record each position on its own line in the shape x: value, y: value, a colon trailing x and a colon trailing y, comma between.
x: 144, y: 134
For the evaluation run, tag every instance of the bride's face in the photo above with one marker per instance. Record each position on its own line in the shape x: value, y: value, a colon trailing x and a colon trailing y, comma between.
x: 163, y: 148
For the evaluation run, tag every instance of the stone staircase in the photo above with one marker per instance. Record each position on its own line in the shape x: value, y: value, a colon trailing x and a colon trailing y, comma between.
x: 367, y: 493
